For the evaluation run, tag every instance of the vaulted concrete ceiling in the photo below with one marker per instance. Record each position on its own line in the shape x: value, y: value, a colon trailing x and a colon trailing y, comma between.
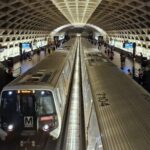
x: 77, y: 11
x: 30, y: 14
x: 50, y: 14
x: 122, y: 14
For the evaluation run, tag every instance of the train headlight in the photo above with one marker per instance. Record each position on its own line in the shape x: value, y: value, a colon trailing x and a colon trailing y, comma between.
x: 10, y: 93
x: 46, y: 127
x: 10, y: 127
x: 42, y: 92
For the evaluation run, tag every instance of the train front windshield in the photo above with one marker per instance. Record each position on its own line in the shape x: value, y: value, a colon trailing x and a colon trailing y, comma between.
x: 28, y: 102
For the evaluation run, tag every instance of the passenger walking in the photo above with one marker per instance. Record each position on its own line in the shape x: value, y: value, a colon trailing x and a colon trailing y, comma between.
x: 29, y: 56
x: 32, y: 52
x: 111, y: 56
x: 112, y: 48
x: 10, y: 75
x: 48, y: 50
x: 129, y: 73
x: 122, y: 60
x: 122, y: 57
x: 38, y: 51
x: 108, y: 52
x: 141, y: 58
x: 105, y: 51
x: 24, y: 54
x: 140, y: 76
x: 99, y: 45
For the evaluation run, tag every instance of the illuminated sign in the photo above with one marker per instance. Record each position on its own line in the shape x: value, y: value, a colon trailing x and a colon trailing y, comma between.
x: 46, y: 118
x: 128, y: 45
x: 25, y: 91
x: 26, y: 46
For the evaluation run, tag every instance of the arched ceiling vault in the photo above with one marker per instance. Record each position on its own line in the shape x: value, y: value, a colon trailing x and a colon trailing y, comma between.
x: 122, y: 14
x: 30, y: 14
x: 50, y: 14
x: 77, y: 11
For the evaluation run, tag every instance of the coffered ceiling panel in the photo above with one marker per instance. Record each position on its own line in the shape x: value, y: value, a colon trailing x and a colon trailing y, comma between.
x: 77, y: 11
x: 122, y: 14
x: 50, y: 14
x: 30, y: 14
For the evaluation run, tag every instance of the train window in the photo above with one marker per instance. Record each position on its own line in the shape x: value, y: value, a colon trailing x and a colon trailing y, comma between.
x: 27, y: 102
x: 9, y: 103
x: 44, y: 103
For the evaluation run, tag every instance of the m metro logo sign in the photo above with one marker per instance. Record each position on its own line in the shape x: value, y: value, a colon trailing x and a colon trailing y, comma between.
x: 28, y: 121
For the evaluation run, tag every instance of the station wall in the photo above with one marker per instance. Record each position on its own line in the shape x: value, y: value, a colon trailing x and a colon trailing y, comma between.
x: 10, y: 39
x: 140, y: 36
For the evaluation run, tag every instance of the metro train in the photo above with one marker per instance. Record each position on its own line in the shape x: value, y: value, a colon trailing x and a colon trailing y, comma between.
x: 35, y: 102
x: 122, y: 106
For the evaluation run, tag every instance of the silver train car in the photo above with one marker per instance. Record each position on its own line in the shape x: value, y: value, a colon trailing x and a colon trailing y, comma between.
x: 122, y: 106
x: 35, y: 102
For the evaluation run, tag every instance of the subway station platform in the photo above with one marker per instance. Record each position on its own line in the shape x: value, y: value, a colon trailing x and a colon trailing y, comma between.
x: 128, y: 65
x: 20, y: 67
x: 116, y: 59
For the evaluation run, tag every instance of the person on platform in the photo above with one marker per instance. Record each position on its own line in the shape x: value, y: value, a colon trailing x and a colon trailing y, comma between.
x: 129, y: 73
x: 140, y: 76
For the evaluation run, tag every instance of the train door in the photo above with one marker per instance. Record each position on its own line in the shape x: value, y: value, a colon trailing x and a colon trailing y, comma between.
x: 27, y: 108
